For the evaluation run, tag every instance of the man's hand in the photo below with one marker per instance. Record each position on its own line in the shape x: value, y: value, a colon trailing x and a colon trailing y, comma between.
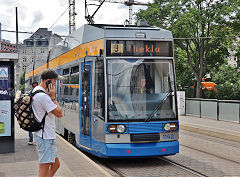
x: 51, y: 91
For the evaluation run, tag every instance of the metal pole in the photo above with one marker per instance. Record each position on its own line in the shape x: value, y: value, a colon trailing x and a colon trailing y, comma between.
x: 16, y: 29
x: 130, y: 14
x: 17, y: 51
x: 34, y: 56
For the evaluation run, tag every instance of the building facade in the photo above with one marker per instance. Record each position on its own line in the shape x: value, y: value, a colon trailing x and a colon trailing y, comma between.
x: 33, y: 52
x: 232, y: 59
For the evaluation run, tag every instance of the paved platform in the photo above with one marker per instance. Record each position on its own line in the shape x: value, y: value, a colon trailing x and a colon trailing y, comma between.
x: 24, y: 162
x: 220, y: 129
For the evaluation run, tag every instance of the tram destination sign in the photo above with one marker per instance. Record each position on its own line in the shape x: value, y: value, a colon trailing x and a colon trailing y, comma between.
x: 139, y: 48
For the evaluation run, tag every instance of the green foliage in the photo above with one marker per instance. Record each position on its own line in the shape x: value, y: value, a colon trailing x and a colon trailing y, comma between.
x: 227, y: 79
x: 22, y: 82
x: 185, y: 78
x: 201, y: 28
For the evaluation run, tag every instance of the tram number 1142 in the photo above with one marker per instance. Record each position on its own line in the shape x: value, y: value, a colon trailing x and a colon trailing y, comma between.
x: 169, y: 136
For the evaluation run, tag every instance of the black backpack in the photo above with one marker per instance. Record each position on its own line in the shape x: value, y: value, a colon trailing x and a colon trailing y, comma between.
x: 24, y: 113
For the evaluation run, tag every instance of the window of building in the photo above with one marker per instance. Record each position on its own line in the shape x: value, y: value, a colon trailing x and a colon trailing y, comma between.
x: 44, y: 43
x: 24, y: 67
x: 42, y: 50
x: 39, y: 43
x: 29, y: 43
x: 24, y: 59
x: 24, y: 51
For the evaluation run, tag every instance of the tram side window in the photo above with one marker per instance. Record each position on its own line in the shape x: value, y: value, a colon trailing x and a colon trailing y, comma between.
x: 74, y: 81
x: 74, y: 77
x: 99, y: 95
x: 65, y: 92
x: 65, y: 87
x: 66, y: 76
x: 59, y: 91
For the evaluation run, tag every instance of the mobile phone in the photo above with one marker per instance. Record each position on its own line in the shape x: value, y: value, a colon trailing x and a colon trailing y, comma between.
x: 47, y: 83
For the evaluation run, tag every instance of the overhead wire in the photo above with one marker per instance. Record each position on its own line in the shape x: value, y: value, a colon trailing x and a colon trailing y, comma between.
x: 59, y: 17
x: 174, y: 38
x: 12, y: 31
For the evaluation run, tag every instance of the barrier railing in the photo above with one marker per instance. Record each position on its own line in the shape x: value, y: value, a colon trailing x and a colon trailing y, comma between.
x: 227, y: 110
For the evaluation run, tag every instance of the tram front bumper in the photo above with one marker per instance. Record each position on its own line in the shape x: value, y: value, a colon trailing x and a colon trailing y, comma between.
x: 142, y: 149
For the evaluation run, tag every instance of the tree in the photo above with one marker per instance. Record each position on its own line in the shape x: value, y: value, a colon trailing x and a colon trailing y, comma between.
x: 201, y: 28
x: 185, y: 78
x: 22, y: 81
x: 227, y: 79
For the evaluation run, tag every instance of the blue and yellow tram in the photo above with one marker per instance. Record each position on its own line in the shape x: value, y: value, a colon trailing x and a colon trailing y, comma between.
x: 119, y: 92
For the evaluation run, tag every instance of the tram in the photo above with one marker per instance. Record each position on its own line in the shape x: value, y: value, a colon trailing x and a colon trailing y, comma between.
x: 118, y: 94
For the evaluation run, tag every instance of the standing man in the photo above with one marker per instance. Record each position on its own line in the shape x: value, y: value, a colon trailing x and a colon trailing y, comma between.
x: 30, y: 141
x: 46, y: 140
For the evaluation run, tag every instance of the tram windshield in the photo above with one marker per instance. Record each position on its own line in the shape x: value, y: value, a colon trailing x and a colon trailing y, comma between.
x: 140, y: 90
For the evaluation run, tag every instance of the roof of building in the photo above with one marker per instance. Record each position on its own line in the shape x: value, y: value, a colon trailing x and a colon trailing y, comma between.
x: 42, y: 34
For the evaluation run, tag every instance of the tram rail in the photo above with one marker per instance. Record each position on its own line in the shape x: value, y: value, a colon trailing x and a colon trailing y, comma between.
x: 120, y: 173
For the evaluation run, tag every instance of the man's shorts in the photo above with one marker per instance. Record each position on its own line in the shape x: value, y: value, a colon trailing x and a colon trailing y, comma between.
x: 47, y: 150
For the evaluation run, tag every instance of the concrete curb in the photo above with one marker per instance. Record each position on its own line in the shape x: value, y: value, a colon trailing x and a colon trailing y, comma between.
x: 214, y: 133
x: 85, y: 157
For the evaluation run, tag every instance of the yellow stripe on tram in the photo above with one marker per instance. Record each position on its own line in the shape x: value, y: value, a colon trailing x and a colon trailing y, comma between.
x: 73, y: 86
x: 92, y: 48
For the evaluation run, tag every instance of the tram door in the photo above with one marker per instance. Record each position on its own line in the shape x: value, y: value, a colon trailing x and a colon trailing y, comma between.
x: 85, y: 107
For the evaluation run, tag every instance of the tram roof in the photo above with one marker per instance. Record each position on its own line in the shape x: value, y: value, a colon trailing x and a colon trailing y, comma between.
x: 129, y: 31
x: 92, y: 32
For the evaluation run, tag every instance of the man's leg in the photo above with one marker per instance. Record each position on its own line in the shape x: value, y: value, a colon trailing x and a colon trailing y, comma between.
x: 54, y: 167
x: 30, y: 138
x: 43, y: 169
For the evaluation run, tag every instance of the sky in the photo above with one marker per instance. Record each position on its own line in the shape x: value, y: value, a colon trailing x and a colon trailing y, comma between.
x: 34, y: 14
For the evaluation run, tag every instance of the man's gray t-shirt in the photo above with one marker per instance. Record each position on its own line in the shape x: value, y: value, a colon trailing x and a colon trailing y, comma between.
x: 41, y: 104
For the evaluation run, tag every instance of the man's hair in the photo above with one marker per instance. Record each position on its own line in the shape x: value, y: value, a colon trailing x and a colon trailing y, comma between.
x: 50, y: 74
x: 35, y: 82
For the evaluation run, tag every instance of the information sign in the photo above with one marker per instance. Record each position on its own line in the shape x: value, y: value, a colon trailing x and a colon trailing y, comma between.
x: 6, y: 112
x: 139, y: 48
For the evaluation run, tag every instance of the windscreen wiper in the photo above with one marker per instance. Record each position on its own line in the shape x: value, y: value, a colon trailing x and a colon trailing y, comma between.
x: 158, y: 106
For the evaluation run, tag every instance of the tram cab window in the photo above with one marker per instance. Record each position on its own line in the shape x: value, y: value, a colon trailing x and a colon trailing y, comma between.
x: 99, y: 95
x: 137, y: 87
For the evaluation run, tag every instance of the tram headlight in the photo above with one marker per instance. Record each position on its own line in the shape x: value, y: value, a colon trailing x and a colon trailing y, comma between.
x: 115, y: 128
x: 172, y: 126
x: 121, y: 128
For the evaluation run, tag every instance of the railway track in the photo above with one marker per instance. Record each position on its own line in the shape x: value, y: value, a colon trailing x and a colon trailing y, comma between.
x: 138, y: 167
x: 192, y: 161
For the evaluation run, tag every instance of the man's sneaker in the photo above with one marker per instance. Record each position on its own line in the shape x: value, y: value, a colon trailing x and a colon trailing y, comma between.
x: 30, y: 142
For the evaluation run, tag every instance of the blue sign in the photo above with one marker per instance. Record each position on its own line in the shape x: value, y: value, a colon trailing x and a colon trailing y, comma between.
x: 3, y: 73
x: 5, y: 100
x: 5, y: 83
